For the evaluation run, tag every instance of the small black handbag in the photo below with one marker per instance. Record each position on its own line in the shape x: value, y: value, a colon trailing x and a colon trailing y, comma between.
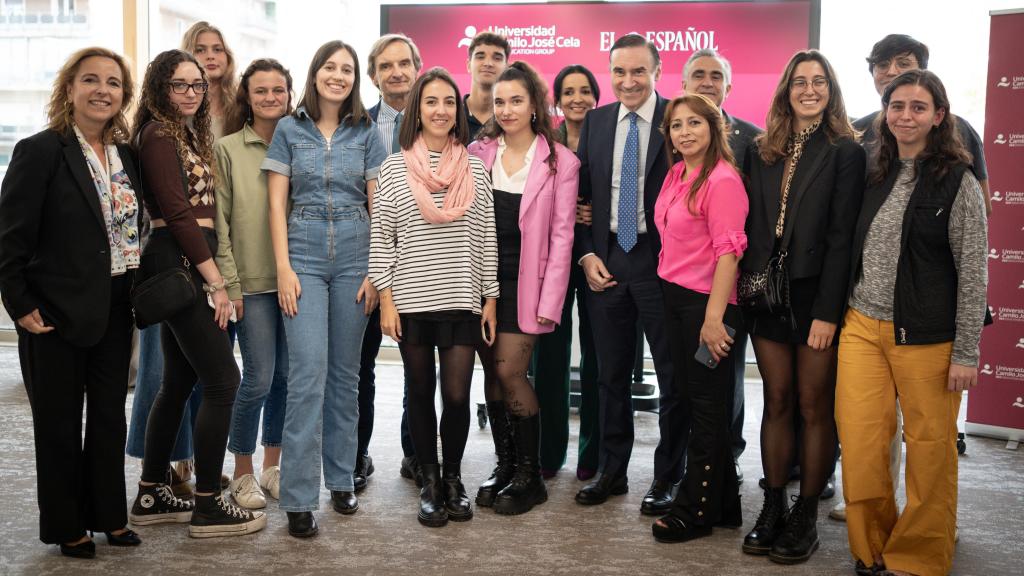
x: 766, y: 291
x: 163, y: 295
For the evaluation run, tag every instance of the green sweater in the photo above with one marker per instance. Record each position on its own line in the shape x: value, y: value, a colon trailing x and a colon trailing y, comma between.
x: 245, y: 255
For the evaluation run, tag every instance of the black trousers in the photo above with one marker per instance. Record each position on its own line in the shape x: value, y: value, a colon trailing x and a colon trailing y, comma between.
x: 80, y: 484
x: 613, y: 314
x: 372, y: 338
x: 194, y: 348
x: 710, y: 484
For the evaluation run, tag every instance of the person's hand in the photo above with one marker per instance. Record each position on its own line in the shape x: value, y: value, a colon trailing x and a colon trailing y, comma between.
x: 543, y: 321
x: 239, y: 309
x: 713, y: 333
x: 584, y: 213
x: 489, y: 320
x: 222, y: 308
x: 33, y: 322
x: 962, y: 377
x: 368, y: 295
x: 820, y: 337
x: 390, y: 322
x: 288, y: 292
x: 598, y: 277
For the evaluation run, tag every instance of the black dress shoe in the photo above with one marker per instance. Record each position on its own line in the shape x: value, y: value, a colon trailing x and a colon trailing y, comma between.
x: 364, y: 468
x: 85, y: 549
x: 829, y: 491
x: 658, y: 500
x: 126, y: 538
x: 671, y: 528
x: 598, y: 491
x: 411, y: 470
x: 302, y: 524
x: 344, y: 502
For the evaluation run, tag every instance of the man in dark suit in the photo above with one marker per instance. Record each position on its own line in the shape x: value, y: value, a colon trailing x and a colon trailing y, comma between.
x: 708, y: 73
x: 623, y: 165
x: 393, y: 65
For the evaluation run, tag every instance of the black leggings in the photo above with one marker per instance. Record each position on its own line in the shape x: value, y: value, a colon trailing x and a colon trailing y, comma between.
x: 194, y: 348
x: 456, y: 377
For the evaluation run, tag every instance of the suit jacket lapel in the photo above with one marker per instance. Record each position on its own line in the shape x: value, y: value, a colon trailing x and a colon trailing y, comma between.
x: 79, y: 169
x: 656, y: 143
x: 606, y: 129
x: 771, y: 186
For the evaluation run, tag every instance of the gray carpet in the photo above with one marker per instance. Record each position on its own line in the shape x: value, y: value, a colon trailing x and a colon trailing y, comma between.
x: 559, y: 537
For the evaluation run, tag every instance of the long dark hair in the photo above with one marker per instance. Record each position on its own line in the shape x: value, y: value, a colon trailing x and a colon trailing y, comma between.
x: 943, y: 150
x: 718, y: 148
x: 241, y: 112
x: 410, y: 128
x: 311, y: 98
x: 522, y: 72
x: 155, y: 104
x: 575, y: 69
x: 779, y: 124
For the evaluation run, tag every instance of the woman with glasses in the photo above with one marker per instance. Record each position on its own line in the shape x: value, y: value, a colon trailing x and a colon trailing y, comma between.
x: 172, y: 131
x: 805, y: 178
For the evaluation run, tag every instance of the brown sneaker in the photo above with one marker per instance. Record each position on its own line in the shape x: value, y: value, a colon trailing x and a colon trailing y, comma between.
x: 181, y: 487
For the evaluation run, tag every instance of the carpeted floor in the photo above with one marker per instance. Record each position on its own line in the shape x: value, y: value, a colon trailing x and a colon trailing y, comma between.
x: 559, y: 537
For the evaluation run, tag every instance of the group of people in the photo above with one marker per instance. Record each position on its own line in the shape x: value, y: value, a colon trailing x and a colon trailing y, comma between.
x: 466, y: 225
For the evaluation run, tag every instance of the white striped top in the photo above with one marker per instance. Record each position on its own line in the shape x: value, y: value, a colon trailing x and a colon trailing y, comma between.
x: 432, y: 267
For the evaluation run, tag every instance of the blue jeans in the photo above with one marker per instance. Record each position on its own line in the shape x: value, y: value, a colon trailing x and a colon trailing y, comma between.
x: 261, y: 337
x: 147, y: 384
x: 329, y: 251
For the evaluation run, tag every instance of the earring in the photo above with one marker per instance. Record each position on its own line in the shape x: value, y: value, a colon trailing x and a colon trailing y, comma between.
x: 533, y: 118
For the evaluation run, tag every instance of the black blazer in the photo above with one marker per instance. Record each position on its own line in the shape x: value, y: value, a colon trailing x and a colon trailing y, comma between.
x: 824, y: 200
x: 54, y: 249
x: 595, y: 151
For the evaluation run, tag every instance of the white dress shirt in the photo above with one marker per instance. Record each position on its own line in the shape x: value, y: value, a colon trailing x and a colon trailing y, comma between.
x: 511, y: 183
x: 386, y: 124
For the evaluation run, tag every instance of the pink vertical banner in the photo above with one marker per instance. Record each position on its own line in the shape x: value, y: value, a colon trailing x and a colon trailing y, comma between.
x: 996, y: 406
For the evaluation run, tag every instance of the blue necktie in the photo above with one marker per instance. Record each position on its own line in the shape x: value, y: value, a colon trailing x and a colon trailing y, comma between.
x: 394, y: 133
x: 628, y: 186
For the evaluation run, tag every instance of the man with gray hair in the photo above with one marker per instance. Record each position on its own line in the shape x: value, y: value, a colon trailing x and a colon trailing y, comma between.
x: 708, y: 73
x: 393, y: 65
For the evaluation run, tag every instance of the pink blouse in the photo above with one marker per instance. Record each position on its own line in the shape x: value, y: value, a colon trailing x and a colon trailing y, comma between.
x: 692, y: 244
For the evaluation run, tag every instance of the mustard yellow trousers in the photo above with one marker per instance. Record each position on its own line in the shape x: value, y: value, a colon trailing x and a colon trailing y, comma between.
x: 873, y: 372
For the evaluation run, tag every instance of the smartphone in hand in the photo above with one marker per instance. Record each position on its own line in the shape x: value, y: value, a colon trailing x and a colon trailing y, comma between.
x: 703, y: 354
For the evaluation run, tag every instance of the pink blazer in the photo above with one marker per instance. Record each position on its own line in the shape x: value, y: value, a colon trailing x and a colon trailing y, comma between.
x: 547, y: 215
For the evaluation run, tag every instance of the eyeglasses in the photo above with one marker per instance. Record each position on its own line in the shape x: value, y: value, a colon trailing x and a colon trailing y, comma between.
x: 818, y: 83
x: 182, y: 87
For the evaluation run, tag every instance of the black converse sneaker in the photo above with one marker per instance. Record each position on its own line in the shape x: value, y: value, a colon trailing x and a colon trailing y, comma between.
x: 215, y: 516
x: 156, y: 504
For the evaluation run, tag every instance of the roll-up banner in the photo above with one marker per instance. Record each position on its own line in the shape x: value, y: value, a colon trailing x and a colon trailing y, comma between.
x: 996, y: 407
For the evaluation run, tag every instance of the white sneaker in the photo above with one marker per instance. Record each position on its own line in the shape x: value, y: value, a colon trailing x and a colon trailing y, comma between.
x: 270, y: 480
x: 247, y: 492
x: 839, y: 512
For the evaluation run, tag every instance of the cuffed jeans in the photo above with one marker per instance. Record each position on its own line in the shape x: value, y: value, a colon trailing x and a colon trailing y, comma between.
x: 329, y: 251
x: 264, y: 387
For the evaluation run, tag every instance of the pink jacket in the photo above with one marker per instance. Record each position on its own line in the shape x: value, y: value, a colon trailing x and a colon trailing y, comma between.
x: 547, y: 215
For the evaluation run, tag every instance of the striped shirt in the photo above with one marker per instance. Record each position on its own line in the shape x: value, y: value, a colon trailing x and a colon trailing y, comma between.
x: 432, y: 267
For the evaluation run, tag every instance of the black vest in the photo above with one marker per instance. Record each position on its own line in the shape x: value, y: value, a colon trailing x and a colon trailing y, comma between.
x: 924, y: 303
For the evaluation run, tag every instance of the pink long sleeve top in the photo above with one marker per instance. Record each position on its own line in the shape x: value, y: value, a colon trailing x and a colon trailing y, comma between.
x: 692, y: 242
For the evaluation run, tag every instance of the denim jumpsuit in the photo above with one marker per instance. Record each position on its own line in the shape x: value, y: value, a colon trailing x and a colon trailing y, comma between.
x: 328, y: 248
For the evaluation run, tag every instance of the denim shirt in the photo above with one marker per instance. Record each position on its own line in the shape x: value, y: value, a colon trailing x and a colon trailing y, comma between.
x: 321, y: 173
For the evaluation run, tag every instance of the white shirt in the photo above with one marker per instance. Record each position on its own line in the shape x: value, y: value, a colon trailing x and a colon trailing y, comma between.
x: 514, y: 183
x: 386, y: 124
x: 644, y: 122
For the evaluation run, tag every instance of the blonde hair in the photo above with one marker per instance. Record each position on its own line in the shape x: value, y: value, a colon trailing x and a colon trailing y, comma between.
x: 227, y: 82
x: 60, y: 111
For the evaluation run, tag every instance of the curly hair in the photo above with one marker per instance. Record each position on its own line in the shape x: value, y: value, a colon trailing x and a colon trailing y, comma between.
x: 779, y: 125
x: 537, y: 90
x: 60, y: 111
x: 718, y: 147
x: 155, y: 105
x: 227, y: 81
x: 241, y: 112
x: 944, y: 147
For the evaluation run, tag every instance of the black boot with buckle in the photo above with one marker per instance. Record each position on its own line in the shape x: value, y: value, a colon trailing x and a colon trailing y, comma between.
x: 800, y: 538
x: 526, y: 489
x: 769, y: 525
x: 501, y: 431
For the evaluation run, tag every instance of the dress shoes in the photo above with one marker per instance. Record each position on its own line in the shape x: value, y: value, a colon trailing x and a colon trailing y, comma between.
x: 671, y: 528
x: 302, y: 524
x: 126, y: 538
x: 85, y: 549
x: 583, y: 474
x: 364, y: 468
x: 344, y: 502
x: 658, y: 500
x: 598, y: 491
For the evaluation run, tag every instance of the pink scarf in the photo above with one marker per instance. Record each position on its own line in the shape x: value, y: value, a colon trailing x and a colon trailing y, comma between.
x: 453, y: 173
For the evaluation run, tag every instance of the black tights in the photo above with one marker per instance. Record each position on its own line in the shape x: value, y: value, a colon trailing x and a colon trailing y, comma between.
x: 456, y: 377
x: 510, y: 358
x: 797, y: 376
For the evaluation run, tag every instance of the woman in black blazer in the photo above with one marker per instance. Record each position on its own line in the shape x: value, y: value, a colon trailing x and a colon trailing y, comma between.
x: 69, y: 245
x: 807, y: 161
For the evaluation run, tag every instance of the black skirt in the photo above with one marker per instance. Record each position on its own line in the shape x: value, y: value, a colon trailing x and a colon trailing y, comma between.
x: 780, y: 328
x: 510, y: 241
x: 442, y: 329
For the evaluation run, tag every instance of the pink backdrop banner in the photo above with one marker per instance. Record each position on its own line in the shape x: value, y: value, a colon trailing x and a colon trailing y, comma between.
x: 999, y: 398
x: 757, y: 38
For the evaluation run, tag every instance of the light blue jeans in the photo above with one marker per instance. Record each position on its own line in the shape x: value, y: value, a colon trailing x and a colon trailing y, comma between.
x: 147, y: 384
x: 329, y: 251
x: 264, y: 387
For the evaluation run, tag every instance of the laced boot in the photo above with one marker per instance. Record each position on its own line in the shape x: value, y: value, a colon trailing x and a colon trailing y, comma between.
x: 800, y: 538
x: 769, y: 523
x: 501, y: 431
x: 526, y: 489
